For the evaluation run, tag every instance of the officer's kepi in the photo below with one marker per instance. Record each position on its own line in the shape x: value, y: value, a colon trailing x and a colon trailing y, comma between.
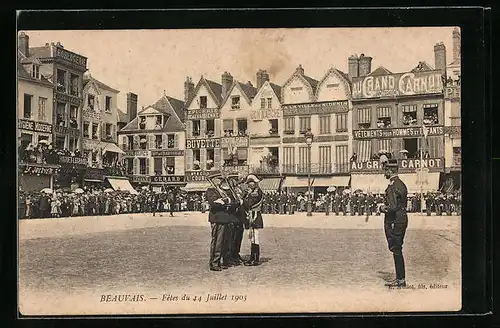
x: 391, y: 164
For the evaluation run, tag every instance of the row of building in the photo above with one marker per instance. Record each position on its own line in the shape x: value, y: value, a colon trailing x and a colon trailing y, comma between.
x: 239, y: 127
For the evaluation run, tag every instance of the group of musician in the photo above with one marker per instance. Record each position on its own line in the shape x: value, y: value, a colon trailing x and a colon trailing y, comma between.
x: 235, y: 208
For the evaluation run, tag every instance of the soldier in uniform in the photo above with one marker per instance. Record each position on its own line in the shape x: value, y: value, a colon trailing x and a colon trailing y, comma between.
x: 428, y: 204
x: 369, y: 203
x: 282, y: 203
x: 354, y: 204
x: 395, y: 220
x: 447, y: 204
x: 438, y: 204
x: 336, y: 203
x: 328, y: 203
x: 361, y: 204
x: 252, y: 204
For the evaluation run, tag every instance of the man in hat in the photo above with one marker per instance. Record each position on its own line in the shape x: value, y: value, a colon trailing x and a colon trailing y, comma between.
x: 253, y: 204
x: 395, y: 220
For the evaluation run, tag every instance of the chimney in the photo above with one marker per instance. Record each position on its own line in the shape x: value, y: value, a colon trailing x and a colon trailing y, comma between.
x: 131, y: 106
x: 353, y: 66
x: 456, y: 44
x: 300, y: 70
x: 188, y: 90
x: 262, y: 77
x: 23, y: 44
x: 58, y: 44
x: 227, y: 81
x: 365, y: 65
x: 440, y: 57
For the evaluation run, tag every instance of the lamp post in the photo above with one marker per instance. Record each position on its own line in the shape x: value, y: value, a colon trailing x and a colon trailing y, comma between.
x: 309, y: 140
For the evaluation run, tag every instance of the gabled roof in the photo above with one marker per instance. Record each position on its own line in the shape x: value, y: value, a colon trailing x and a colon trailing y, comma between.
x: 132, y: 125
x: 381, y: 70
x: 173, y: 125
x: 88, y: 82
x: 277, y: 90
x: 248, y: 91
x: 456, y: 62
x: 214, y: 88
x: 88, y: 77
x: 422, y: 67
x: 169, y: 106
x: 22, y: 73
x: 312, y: 82
x: 122, y: 117
x: 179, y: 107
x: 39, y: 52
x: 309, y: 81
x: 343, y: 78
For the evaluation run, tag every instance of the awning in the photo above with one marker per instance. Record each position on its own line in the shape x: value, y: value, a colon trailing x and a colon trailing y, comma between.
x: 412, y: 180
x: 375, y: 183
x: 111, y: 147
x: 270, y: 184
x: 291, y: 182
x: 92, y: 180
x: 196, y: 186
x: 122, y: 184
x: 340, y: 181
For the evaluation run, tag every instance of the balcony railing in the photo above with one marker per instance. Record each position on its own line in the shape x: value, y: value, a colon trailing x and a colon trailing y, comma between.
x: 315, y: 168
x: 264, y: 169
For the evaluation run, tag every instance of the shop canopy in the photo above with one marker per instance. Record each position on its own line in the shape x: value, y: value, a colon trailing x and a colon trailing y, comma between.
x: 297, y: 182
x: 340, y: 181
x: 196, y: 186
x: 111, y: 147
x: 377, y: 183
x: 122, y: 184
x: 270, y: 184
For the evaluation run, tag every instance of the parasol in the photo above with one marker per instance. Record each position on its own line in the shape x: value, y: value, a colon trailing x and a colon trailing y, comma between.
x: 108, y: 190
x: 143, y: 140
x: 382, y: 151
x: 78, y: 191
x: 358, y: 190
x: 403, y: 151
x: 43, y: 141
x: 347, y: 191
x: 331, y: 189
x: 47, y: 190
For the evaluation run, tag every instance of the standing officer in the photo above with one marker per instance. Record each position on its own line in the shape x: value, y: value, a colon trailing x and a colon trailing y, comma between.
x: 354, y: 203
x: 336, y: 203
x: 328, y: 203
x: 253, y: 204
x: 395, y: 220
x: 361, y: 204
x: 428, y: 204
x: 369, y: 203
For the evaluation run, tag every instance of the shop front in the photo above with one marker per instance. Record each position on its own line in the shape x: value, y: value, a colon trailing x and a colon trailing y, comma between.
x: 196, y: 181
x: 35, y: 177
x: 72, y: 171
x: 165, y: 182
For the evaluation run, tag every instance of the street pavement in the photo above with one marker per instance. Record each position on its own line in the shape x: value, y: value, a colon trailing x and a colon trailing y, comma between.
x: 310, y: 264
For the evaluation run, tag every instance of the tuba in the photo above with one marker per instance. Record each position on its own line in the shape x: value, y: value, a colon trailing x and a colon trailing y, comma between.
x: 233, y: 192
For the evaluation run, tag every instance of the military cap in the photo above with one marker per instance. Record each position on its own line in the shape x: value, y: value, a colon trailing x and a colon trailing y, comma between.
x: 392, y: 163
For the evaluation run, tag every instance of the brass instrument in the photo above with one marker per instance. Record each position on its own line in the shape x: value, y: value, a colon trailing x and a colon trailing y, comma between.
x: 231, y: 193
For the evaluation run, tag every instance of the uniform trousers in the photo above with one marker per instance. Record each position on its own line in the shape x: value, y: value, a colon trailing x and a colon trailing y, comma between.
x: 217, y: 244
x: 395, y: 232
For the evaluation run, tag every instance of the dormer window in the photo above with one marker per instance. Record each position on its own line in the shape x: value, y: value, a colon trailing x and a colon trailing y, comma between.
x: 142, y: 123
x: 235, y: 102
x: 159, y: 122
x: 91, y: 102
x: 35, y: 73
x: 203, y: 101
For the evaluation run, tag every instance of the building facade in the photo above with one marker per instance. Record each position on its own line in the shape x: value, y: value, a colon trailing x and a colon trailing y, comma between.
x: 323, y: 107
x: 402, y: 114
x: 203, y: 131
x: 154, y: 144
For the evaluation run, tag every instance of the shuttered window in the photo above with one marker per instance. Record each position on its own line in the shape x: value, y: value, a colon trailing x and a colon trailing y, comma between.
x: 409, y: 108
x: 303, y: 159
x: 324, y: 124
x: 325, y: 159
x: 341, y: 125
x: 158, y: 165
x: 383, y: 112
x: 176, y: 140
x: 434, y: 145
x: 305, y: 124
x: 242, y: 153
x: 217, y: 160
x: 290, y: 124
x: 189, y: 129
x: 365, y: 115
x: 364, y: 150
x: 189, y: 159
x: 341, y: 158
x: 227, y: 125
x: 385, y: 144
x: 288, y: 159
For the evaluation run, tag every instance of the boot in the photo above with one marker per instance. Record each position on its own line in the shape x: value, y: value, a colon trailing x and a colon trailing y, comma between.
x: 257, y: 255
x: 251, y: 260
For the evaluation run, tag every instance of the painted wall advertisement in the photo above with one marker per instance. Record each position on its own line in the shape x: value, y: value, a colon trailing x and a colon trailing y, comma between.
x: 397, y: 132
x: 433, y: 164
x: 202, y: 143
x: 327, y: 107
x: 196, y: 176
x: 402, y: 84
x: 203, y: 113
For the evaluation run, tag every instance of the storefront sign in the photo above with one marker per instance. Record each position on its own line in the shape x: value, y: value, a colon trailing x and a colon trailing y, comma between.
x: 396, y: 132
x: 89, y: 144
x: 35, y: 126
x: 202, y: 143
x: 453, y: 130
x: 402, y: 84
x: 67, y: 131
x: 89, y: 114
x: 241, y: 142
x: 168, y: 179
x: 73, y: 160
x: 71, y: 57
x: 403, y: 164
x: 140, y: 178
x: 203, y: 113
x: 94, y: 174
x: 240, y: 169
x: 196, y: 176
x: 62, y: 97
x: 137, y: 153
x: 265, y: 114
x: 452, y: 92
x: 167, y: 152
x: 327, y: 107
x: 35, y: 169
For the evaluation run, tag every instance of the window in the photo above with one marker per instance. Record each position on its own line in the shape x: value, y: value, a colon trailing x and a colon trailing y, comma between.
x: 142, y: 123
x: 73, y: 144
x: 210, y: 131
x: 433, y: 147
x: 41, y: 108
x: 130, y: 142
x: 227, y: 126
x: 142, y: 166
x: 86, y: 126
x: 170, y: 165
x: 411, y: 146
x: 269, y: 103
x: 341, y: 122
x: 235, y: 102
x: 170, y: 140
x: 364, y: 118
x: 342, y: 158
x: 196, y: 159
x: 41, y: 138
x: 242, y: 156
x: 27, y: 105
x: 61, y: 114
x: 305, y: 124
x: 129, y: 163
x: 288, y: 159
x: 383, y: 117
x: 60, y: 142
x: 303, y: 160
x: 143, y: 142
x: 203, y: 101
x: 95, y: 128
x: 159, y: 122
x: 289, y: 125
x: 324, y: 124
x: 74, y: 91
x: 385, y: 144
x: 73, y: 117
x: 26, y: 139
x: 296, y: 88
x: 457, y: 156
x: 274, y: 127
x: 364, y: 150
x: 210, y: 159
x: 325, y: 159
x: 196, y: 127
x: 262, y: 103
x: 158, y: 141
x: 158, y: 165
x: 61, y: 80
x: 332, y: 85
x: 109, y: 135
x: 91, y: 101
x: 409, y: 114
x: 108, y: 104
x: 431, y: 114
x: 35, y: 71
x: 242, y: 127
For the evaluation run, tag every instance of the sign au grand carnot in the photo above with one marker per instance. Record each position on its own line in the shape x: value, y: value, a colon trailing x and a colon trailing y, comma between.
x: 403, y: 164
x: 401, y: 84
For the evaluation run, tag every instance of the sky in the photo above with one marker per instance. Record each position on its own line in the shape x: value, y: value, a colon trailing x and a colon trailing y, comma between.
x: 151, y: 62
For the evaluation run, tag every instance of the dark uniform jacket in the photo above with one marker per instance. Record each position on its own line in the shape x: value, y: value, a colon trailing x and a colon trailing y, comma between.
x: 396, y: 200
x: 219, y: 213
x: 252, y: 204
